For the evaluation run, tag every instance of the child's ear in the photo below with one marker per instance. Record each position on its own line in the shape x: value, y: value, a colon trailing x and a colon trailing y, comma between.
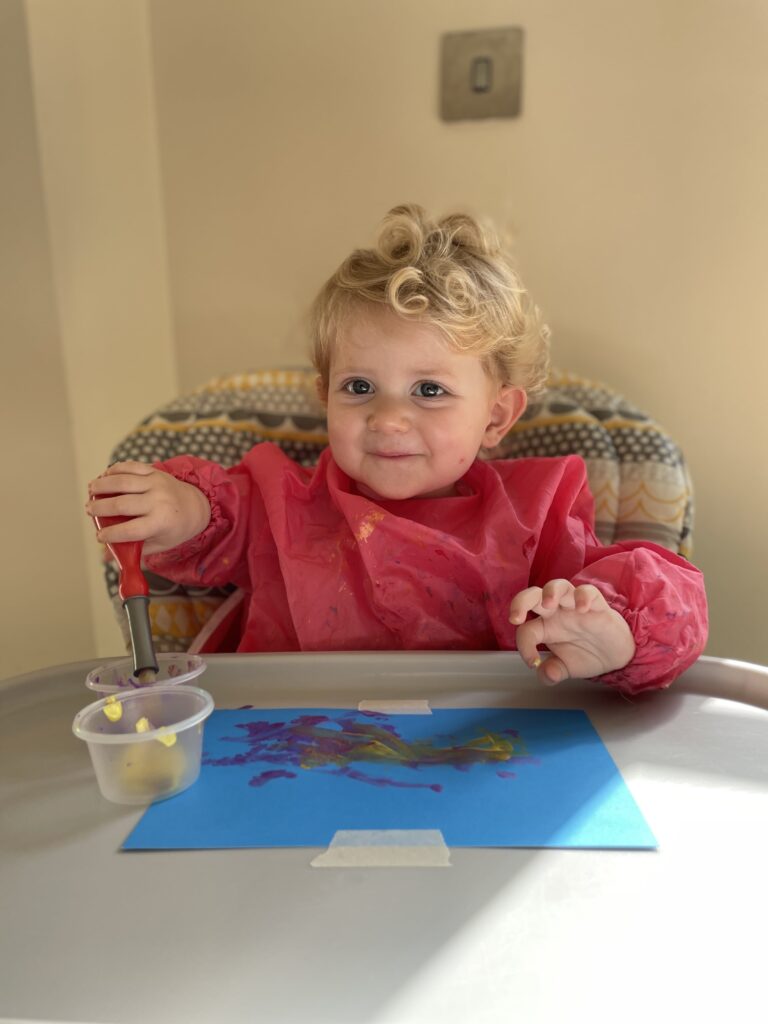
x: 321, y: 389
x: 506, y: 410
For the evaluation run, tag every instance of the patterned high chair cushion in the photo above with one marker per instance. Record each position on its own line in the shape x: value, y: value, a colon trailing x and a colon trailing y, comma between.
x: 637, y: 473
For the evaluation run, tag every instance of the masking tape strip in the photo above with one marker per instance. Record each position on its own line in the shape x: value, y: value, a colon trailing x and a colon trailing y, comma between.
x: 385, y: 848
x: 396, y: 707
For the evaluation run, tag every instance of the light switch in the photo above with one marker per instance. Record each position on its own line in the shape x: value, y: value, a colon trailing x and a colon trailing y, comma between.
x: 481, y: 74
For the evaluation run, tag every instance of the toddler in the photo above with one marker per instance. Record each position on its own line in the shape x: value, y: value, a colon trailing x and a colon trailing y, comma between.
x: 427, y: 348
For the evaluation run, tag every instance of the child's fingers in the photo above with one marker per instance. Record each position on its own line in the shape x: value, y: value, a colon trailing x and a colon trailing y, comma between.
x: 121, y: 476
x: 587, y: 598
x: 132, y: 529
x: 552, y: 671
x: 542, y: 601
x: 129, y: 466
x: 118, y: 505
x: 524, y: 602
x: 556, y: 594
x: 527, y: 637
x: 120, y: 483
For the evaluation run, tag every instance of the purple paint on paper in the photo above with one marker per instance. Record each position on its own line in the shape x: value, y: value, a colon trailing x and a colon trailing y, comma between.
x: 351, y: 773
x: 265, y: 777
x: 334, y: 744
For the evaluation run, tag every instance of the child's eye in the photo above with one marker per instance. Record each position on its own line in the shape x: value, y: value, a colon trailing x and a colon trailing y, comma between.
x: 429, y: 389
x: 358, y: 386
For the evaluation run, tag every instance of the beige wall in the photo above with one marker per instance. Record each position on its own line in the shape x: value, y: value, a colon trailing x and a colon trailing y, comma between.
x: 94, y: 301
x: 95, y: 111
x: 44, y: 615
x: 634, y: 182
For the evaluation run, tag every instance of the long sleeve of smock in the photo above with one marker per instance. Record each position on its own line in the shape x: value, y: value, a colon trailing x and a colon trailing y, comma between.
x: 240, y: 546
x: 218, y: 555
x: 659, y: 594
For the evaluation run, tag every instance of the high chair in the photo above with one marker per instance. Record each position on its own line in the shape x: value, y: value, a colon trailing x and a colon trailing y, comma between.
x: 637, y: 473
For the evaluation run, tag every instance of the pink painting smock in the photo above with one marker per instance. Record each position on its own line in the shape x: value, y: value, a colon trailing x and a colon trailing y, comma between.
x: 326, y: 569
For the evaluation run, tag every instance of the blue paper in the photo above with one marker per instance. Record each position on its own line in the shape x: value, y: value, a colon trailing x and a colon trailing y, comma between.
x: 482, y: 776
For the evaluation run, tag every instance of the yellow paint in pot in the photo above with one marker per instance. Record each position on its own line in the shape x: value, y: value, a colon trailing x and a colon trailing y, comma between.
x: 152, y: 769
x: 166, y: 738
x: 113, y: 709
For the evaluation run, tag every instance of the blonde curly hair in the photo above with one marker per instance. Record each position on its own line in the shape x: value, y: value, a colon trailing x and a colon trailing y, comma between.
x: 451, y: 274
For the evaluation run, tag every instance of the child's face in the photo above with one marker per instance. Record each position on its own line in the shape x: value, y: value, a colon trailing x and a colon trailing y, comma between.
x: 407, y: 415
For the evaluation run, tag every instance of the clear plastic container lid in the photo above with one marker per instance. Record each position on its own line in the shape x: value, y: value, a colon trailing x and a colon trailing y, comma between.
x: 165, y: 709
x: 173, y: 670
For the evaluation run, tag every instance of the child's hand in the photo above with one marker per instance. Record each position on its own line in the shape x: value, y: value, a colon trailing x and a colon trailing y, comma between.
x: 164, y: 511
x: 586, y: 637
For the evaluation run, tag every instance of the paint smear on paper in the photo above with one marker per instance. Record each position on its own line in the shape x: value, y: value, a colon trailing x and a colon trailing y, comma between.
x: 336, y: 744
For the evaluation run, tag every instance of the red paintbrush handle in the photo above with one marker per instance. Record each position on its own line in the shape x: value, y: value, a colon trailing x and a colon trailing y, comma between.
x: 127, y: 554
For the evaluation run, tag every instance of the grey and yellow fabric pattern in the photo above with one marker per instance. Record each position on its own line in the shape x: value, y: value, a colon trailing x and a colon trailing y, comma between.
x: 637, y: 473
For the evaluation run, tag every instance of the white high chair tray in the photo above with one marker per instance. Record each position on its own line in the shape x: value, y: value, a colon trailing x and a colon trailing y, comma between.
x: 92, y: 934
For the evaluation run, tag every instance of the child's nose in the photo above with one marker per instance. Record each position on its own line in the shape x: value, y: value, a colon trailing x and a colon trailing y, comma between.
x: 388, y: 415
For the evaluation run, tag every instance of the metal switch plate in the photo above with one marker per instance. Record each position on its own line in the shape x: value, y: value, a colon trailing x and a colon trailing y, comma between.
x: 481, y: 74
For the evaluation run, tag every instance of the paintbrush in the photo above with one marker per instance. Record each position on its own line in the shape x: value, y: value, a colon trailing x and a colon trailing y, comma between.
x: 134, y: 593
